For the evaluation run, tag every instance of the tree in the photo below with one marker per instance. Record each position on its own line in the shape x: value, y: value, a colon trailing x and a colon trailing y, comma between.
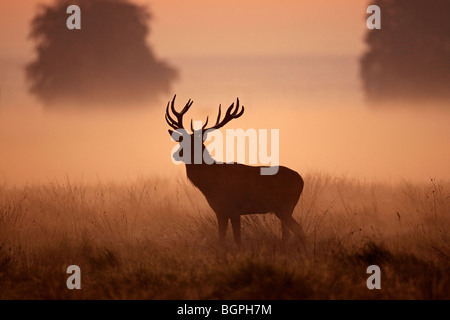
x: 106, y: 62
x: 409, y: 57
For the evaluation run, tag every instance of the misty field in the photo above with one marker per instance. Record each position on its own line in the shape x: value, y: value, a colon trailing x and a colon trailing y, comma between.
x: 157, y: 239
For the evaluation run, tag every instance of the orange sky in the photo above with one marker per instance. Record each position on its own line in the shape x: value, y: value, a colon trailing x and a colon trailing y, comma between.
x: 324, y: 123
x: 339, y: 139
x: 191, y: 27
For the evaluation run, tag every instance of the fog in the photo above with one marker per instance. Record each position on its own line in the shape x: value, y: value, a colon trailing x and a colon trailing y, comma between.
x: 294, y: 67
x: 316, y: 102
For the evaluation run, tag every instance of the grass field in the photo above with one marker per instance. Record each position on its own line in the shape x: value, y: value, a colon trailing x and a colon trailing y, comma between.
x: 157, y: 239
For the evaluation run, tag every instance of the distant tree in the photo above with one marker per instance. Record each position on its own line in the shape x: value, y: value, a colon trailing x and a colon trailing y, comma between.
x: 409, y: 58
x: 107, y: 62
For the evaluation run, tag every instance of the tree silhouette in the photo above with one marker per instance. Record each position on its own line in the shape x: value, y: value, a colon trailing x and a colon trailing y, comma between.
x: 409, y: 58
x: 107, y: 62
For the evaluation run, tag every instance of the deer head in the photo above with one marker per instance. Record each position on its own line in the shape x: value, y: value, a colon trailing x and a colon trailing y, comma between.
x: 191, y: 141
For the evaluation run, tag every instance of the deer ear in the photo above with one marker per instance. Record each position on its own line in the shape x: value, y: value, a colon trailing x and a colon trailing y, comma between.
x: 170, y: 132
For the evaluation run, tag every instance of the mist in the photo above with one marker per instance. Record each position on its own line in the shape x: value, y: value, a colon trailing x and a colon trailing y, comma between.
x: 325, y: 126
x: 309, y: 89
x: 87, y: 179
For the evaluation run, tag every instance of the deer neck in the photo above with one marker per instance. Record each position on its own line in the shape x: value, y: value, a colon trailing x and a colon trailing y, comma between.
x: 198, y: 172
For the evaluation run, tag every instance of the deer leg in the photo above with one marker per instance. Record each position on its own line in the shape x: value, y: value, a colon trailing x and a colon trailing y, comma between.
x: 289, y: 224
x: 236, y: 225
x: 223, y: 224
x: 296, y: 228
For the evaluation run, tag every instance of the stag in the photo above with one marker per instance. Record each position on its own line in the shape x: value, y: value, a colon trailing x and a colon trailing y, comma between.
x: 236, y: 189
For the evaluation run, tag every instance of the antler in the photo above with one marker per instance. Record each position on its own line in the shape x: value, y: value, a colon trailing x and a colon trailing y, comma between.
x: 232, y: 113
x: 178, y: 123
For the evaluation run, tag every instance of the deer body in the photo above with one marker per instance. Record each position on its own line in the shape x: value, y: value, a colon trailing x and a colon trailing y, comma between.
x: 235, y: 189
x: 246, y: 190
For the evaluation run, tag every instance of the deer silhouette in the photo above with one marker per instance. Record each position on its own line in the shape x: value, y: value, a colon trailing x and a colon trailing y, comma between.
x: 235, y: 189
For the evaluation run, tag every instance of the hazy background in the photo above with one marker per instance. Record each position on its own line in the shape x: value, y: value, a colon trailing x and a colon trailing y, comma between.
x: 293, y: 64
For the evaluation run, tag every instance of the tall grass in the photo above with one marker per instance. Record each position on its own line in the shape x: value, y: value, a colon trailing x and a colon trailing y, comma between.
x: 157, y: 239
